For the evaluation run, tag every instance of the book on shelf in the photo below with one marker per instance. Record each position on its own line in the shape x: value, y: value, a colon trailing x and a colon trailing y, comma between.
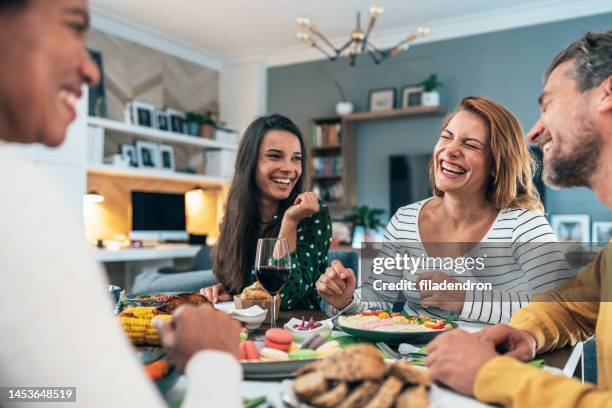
x: 328, y: 166
x: 329, y: 192
x: 326, y: 134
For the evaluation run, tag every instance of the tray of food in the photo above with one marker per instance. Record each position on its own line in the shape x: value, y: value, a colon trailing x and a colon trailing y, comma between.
x: 355, y: 377
x: 280, y: 353
x: 136, y: 314
x: 393, y: 328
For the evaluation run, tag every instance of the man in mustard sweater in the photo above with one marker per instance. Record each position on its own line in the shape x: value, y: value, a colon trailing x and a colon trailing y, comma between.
x: 575, y: 133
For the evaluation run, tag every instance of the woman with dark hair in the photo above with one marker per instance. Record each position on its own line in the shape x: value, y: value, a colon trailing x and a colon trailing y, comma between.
x: 265, y: 200
x: 44, y: 64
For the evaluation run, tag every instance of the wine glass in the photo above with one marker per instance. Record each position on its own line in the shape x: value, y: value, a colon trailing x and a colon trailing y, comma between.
x: 273, y: 268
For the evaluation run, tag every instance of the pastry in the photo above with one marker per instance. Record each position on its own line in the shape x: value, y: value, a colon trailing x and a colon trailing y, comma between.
x: 309, y: 385
x: 416, y: 397
x: 271, y: 354
x: 304, y: 354
x: 360, y: 395
x: 332, y: 397
x: 387, y: 393
x: 410, y: 374
x: 279, y: 339
x: 248, y: 350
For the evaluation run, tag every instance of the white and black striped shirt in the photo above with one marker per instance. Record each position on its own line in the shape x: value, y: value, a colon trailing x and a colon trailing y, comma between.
x: 522, y: 259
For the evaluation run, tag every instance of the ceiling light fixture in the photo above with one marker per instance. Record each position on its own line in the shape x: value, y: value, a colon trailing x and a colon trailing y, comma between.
x: 359, y: 43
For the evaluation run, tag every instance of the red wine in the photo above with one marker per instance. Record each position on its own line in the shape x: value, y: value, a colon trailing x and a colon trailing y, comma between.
x: 272, y: 278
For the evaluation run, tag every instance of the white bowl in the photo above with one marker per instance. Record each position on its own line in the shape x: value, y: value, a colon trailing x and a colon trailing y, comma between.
x: 300, y: 335
x: 253, y: 317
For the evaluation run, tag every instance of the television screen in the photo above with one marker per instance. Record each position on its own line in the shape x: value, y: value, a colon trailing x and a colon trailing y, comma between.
x: 158, y: 213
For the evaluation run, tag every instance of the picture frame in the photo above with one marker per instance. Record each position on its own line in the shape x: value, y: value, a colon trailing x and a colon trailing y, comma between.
x: 571, y: 227
x: 162, y: 120
x: 177, y: 120
x: 342, y: 233
x: 381, y: 99
x: 97, y: 93
x: 142, y: 113
x: 166, y: 157
x: 128, y: 152
x: 412, y: 96
x: 148, y: 154
x: 601, y: 232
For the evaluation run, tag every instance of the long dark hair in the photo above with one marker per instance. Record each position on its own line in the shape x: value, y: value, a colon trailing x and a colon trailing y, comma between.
x: 240, y: 228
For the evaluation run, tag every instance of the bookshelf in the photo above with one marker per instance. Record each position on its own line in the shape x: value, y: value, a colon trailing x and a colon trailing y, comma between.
x: 333, y: 170
x: 329, y: 157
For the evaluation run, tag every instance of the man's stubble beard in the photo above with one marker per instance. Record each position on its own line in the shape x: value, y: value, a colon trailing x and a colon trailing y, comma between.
x: 578, y: 167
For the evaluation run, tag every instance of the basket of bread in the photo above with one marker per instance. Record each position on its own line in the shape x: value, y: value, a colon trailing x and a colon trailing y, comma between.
x: 255, y: 295
x: 359, y: 377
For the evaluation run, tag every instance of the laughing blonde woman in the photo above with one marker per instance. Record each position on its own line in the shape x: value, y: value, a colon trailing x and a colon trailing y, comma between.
x: 481, y: 176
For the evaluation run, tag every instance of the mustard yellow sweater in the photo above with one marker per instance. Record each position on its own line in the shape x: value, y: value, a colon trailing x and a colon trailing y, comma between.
x: 574, y: 312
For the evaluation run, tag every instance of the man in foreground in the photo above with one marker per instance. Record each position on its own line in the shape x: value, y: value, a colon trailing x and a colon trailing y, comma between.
x: 575, y: 133
x: 57, y: 327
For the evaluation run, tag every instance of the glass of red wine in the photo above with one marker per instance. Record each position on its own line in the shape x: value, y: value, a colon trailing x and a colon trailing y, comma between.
x: 273, y: 268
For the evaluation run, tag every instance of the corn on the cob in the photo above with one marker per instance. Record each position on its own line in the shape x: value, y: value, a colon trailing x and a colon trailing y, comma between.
x: 138, y: 326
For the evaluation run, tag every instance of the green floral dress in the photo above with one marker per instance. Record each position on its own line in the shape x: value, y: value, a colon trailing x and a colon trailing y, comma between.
x: 309, y: 261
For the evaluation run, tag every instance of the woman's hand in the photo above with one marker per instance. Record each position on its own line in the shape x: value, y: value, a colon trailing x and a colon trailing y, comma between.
x: 198, y: 328
x: 305, y: 204
x: 215, y: 293
x: 337, y: 285
x: 451, y: 300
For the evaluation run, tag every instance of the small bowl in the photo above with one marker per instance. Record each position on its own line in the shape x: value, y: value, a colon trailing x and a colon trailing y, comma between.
x: 251, y: 320
x: 300, y: 335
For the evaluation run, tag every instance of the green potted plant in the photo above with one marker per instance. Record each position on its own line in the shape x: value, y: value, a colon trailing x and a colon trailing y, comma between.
x: 367, y: 218
x: 197, y: 123
x: 431, y: 96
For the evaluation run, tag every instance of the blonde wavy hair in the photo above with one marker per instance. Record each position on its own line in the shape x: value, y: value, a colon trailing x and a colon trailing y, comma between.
x: 511, y: 185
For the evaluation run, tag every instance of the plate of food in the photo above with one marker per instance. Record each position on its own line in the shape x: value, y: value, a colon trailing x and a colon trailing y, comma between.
x: 355, y: 377
x: 393, y: 328
x: 278, y: 356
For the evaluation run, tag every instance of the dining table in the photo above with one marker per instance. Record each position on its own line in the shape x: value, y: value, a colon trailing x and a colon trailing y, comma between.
x: 566, y: 361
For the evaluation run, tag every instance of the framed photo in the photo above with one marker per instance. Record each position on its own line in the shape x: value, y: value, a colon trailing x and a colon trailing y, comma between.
x: 412, y: 96
x: 177, y: 120
x: 148, y: 154
x: 571, y: 227
x: 162, y: 120
x: 602, y: 232
x: 128, y: 152
x: 97, y: 94
x: 166, y: 156
x: 382, y: 99
x: 143, y: 113
x: 342, y: 233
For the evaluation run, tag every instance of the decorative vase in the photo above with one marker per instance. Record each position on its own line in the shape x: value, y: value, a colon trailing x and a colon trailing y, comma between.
x: 344, y: 108
x: 431, y: 98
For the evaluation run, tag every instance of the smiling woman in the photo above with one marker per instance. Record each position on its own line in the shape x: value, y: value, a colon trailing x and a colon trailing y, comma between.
x: 481, y: 176
x: 265, y: 200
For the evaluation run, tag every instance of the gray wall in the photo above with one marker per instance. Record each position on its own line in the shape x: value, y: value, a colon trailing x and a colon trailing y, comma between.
x: 506, y: 66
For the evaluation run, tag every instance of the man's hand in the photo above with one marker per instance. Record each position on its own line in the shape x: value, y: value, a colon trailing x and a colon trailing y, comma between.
x: 215, y: 293
x: 337, y: 285
x: 510, y: 341
x: 456, y: 357
x: 193, y: 329
x: 305, y: 204
x: 451, y: 300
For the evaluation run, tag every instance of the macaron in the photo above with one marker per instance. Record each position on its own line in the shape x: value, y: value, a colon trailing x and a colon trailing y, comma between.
x: 248, y: 350
x: 328, y: 348
x: 279, y: 339
x: 272, y: 354
x: 303, y: 354
x: 313, y: 341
